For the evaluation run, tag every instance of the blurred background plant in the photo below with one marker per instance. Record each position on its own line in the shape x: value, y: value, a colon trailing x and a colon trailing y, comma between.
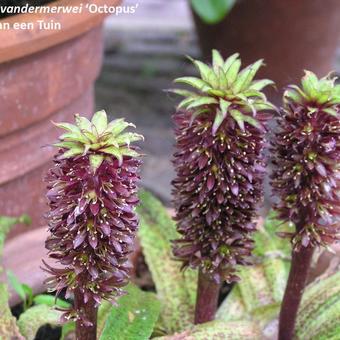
x: 212, y: 11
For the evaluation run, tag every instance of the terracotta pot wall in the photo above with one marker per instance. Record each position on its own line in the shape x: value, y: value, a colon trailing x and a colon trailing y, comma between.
x: 46, y: 86
x: 291, y: 36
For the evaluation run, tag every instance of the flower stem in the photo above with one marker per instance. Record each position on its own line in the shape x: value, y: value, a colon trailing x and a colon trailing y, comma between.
x: 207, y: 298
x: 301, y: 261
x: 90, y: 313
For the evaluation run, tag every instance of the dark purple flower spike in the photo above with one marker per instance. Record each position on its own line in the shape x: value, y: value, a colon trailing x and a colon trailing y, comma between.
x: 92, y: 193
x: 306, y: 178
x: 220, y: 129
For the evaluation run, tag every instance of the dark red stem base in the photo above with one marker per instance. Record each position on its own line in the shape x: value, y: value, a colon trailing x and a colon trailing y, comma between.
x: 207, y: 298
x: 85, y: 332
x: 296, y: 282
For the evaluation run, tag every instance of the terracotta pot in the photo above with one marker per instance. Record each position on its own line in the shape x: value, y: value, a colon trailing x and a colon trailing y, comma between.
x: 290, y: 35
x: 45, y: 75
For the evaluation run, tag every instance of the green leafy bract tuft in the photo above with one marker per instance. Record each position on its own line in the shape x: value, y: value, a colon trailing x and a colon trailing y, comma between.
x: 223, y: 89
x: 314, y: 91
x: 97, y: 138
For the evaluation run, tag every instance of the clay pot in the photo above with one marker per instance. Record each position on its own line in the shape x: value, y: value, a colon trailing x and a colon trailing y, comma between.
x: 290, y: 35
x: 45, y: 75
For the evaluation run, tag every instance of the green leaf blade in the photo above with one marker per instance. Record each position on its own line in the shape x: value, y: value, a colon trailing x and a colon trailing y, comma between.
x: 134, y: 318
x: 176, y: 290
x: 8, y: 326
x: 30, y: 321
x: 318, y: 316
x: 233, y: 330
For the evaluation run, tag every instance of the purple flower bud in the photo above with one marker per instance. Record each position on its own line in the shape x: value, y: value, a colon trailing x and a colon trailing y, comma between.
x: 306, y: 159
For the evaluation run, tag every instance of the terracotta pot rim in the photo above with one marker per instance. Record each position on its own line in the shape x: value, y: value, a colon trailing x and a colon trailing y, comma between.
x: 24, y: 163
x: 19, y: 43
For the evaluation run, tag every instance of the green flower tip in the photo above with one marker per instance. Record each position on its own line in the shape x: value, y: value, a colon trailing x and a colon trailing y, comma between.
x: 225, y: 87
x: 314, y: 91
x: 97, y: 138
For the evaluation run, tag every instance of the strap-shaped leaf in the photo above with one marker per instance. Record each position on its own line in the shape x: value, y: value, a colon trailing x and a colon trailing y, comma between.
x: 318, y: 316
x: 175, y: 289
x: 257, y: 296
x: 8, y: 326
x: 50, y: 300
x: 103, y: 313
x: 30, y: 321
x: 233, y: 307
x: 133, y: 318
x: 233, y: 330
